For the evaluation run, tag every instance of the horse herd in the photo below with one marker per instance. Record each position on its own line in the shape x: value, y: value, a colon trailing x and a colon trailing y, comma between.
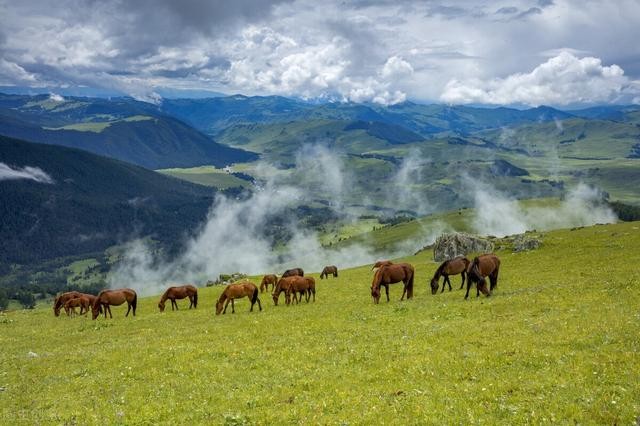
x: 295, y: 285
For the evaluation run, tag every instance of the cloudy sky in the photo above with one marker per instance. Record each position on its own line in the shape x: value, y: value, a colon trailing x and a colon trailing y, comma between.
x: 522, y: 52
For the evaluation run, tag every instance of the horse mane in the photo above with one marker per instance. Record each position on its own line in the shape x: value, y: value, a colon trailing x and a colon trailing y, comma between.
x: 164, y: 295
x: 440, y: 269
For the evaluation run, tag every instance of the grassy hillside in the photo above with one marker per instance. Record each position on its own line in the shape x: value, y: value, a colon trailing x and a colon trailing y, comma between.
x: 557, y: 343
x: 208, y: 176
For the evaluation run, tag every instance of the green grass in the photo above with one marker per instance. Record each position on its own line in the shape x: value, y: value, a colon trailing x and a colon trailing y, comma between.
x: 557, y: 343
x: 207, y: 175
x: 99, y: 126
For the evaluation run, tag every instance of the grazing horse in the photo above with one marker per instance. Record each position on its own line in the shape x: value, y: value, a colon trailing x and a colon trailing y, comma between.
x: 455, y: 266
x: 180, y: 292
x: 381, y: 263
x: 236, y: 291
x: 293, y: 272
x: 329, y: 270
x: 62, y: 299
x: 266, y: 280
x: 106, y: 298
x: 481, y: 267
x: 282, y: 286
x: 391, y: 274
x: 83, y: 301
x: 303, y: 286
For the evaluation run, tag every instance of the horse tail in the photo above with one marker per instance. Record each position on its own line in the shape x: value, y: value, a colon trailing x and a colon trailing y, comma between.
x: 254, y: 297
x: 410, y: 283
x: 195, y: 299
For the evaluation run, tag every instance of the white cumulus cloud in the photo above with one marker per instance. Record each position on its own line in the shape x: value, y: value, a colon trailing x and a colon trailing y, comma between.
x: 561, y: 80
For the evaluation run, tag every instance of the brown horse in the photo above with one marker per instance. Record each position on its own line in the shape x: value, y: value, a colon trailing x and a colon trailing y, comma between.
x: 106, y: 298
x: 82, y: 301
x: 181, y: 292
x: 329, y: 270
x: 293, y: 272
x: 236, y: 291
x: 304, y: 286
x: 62, y: 299
x: 391, y: 274
x: 381, y: 263
x: 266, y: 280
x: 455, y: 266
x: 481, y: 267
x: 282, y: 286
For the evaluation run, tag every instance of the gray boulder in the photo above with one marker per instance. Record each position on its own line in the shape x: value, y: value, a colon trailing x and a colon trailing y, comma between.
x: 448, y: 246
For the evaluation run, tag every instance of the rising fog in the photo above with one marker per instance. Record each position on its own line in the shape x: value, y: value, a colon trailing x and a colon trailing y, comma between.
x: 232, y: 239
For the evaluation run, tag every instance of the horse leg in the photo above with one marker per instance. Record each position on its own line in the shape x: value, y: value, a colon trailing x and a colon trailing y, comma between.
x: 404, y: 291
x: 448, y: 281
x: 464, y: 274
x: 128, y: 309
x: 233, y: 306
x: 110, y: 314
x: 225, y: 306
x: 386, y: 289
x: 259, y: 304
x: 493, y: 278
x: 468, y: 288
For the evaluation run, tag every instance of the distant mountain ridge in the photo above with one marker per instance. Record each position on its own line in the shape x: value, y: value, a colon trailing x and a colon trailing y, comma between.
x: 122, y: 128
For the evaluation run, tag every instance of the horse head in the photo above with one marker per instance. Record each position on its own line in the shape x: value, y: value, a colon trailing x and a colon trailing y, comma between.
x: 219, y: 306
x: 95, y: 309
x: 434, y: 285
x: 161, y: 306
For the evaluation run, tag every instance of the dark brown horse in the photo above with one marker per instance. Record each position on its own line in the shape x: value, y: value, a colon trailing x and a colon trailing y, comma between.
x: 329, y: 270
x: 179, y: 292
x: 236, y: 291
x: 266, y: 280
x: 455, y: 266
x: 62, y: 299
x: 381, y: 263
x: 293, y: 272
x: 391, y: 274
x: 486, y: 265
x: 106, y: 298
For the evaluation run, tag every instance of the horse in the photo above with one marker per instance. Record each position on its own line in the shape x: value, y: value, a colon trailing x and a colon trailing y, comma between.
x: 62, y: 299
x: 455, y: 266
x: 391, y: 274
x: 381, y: 263
x: 293, y: 272
x: 106, y: 298
x: 266, y: 280
x: 329, y: 270
x: 282, y: 286
x: 304, y: 286
x: 180, y: 292
x: 81, y: 301
x: 236, y: 291
x: 481, y: 267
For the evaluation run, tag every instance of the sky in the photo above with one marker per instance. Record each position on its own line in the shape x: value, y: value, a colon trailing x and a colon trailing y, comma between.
x: 511, y: 52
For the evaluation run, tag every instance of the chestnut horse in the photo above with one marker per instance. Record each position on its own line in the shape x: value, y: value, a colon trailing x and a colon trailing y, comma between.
x: 391, y: 274
x: 106, y: 298
x: 304, y: 286
x: 329, y: 270
x: 266, y: 280
x: 180, y: 292
x: 455, y: 266
x: 481, y: 267
x: 381, y: 263
x: 236, y: 291
x: 282, y: 286
x: 293, y: 272
x: 62, y: 299
x: 71, y: 305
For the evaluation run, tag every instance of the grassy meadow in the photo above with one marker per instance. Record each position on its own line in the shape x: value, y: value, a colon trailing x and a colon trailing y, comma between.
x: 558, y: 342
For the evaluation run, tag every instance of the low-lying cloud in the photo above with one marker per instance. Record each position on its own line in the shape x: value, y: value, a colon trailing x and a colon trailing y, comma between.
x: 30, y: 173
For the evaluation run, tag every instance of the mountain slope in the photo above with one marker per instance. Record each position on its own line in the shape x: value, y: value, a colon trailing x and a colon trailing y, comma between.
x: 124, y: 129
x: 93, y: 203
